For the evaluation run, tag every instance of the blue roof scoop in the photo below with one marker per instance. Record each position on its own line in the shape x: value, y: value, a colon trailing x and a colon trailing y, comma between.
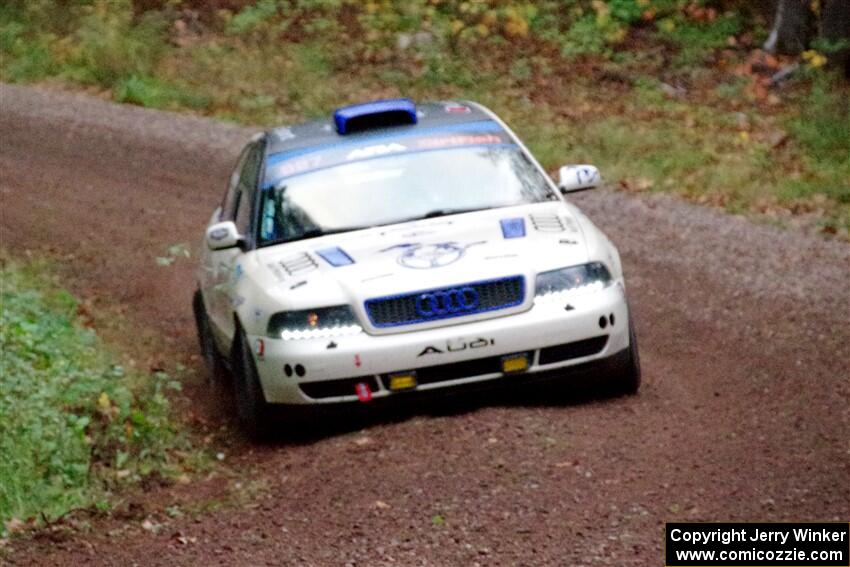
x: 375, y: 114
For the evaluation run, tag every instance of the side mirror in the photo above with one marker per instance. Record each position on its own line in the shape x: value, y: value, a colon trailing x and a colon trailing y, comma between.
x: 223, y: 235
x: 578, y: 178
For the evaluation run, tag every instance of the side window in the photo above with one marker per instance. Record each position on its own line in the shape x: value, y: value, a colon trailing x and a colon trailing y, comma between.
x: 228, y: 205
x: 247, y: 189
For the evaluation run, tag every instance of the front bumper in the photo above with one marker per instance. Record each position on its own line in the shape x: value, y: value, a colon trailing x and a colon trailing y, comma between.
x: 327, y: 371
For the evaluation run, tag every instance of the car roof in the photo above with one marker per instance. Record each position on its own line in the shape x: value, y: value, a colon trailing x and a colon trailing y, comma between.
x: 323, y: 131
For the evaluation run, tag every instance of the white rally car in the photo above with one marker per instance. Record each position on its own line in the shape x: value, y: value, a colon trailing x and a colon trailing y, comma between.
x: 396, y: 249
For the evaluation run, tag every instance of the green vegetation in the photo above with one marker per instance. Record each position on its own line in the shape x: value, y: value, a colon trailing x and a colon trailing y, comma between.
x: 74, y: 423
x: 663, y: 95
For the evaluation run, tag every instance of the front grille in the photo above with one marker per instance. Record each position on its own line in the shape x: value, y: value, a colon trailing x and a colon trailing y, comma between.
x: 334, y: 388
x: 578, y: 349
x: 491, y: 295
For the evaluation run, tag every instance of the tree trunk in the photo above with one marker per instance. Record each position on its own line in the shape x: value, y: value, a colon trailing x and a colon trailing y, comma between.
x: 790, y: 27
x: 835, y: 28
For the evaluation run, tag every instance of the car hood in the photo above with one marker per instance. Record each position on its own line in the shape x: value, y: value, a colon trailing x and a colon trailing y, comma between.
x: 435, y: 253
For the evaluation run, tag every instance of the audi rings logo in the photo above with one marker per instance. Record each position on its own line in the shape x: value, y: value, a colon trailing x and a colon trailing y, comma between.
x: 447, y: 302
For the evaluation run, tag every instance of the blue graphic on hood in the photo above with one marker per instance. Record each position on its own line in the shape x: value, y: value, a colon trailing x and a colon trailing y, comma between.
x: 513, y: 228
x: 335, y: 256
x: 421, y: 256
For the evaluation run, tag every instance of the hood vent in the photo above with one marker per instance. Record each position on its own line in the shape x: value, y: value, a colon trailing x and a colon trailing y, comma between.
x: 547, y: 223
x: 299, y: 264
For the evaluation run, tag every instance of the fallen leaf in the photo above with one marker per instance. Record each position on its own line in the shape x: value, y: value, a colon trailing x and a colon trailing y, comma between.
x: 14, y: 525
x: 380, y: 504
x: 183, y: 539
x: 103, y: 401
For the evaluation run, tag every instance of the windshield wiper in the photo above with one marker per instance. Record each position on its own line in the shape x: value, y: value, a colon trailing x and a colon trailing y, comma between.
x: 444, y: 213
x: 312, y: 233
x: 316, y: 232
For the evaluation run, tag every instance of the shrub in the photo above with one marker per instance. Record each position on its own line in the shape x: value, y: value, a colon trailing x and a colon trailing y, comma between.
x: 71, y: 417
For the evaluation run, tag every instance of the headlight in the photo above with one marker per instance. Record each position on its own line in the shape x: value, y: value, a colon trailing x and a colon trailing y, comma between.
x: 313, y: 323
x: 554, y: 285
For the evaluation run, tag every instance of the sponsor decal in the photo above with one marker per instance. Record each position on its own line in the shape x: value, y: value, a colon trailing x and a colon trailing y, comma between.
x: 374, y: 151
x: 373, y: 278
x: 457, y: 345
x: 458, y: 140
x: 427, y: 256
x: 357, y: 362
x: 284, y: 164
x: 587, y: 175
x: 260, y: 348
x: 218, y: 234
x: 300, y: 165
x: 456, y: 108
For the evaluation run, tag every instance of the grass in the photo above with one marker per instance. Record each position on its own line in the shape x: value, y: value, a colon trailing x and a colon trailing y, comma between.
x: 74, y: 423
x: 542, y: 65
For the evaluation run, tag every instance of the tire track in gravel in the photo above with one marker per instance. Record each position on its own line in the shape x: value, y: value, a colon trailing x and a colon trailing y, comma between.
x: 744, y: 413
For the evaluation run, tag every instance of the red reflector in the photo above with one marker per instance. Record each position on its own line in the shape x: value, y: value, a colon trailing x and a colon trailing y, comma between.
x: 364, y: 392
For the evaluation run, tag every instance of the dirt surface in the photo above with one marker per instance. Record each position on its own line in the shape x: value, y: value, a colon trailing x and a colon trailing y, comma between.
x: 743, y: 415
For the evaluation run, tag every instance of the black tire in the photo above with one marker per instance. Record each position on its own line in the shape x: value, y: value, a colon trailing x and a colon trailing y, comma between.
x: 627, y: 377
x: 252, y: 410
x: 216, y: 370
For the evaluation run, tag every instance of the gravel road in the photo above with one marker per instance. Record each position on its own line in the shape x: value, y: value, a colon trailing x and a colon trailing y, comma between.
x: 743, y: 416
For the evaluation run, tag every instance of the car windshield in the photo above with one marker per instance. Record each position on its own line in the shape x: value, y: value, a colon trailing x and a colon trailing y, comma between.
x: 398, y: 188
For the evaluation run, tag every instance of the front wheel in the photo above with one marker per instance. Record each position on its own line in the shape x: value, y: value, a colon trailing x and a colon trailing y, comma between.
x: 213, y: 362
x: 627, y: 376
x: 252, y: 409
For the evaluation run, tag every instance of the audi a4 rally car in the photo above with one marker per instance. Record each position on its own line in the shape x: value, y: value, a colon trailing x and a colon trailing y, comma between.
x: 396, y: 248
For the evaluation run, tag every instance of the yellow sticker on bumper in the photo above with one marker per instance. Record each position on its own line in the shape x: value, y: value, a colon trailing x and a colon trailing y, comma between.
x: 402, y: 382
x: 515, y: 363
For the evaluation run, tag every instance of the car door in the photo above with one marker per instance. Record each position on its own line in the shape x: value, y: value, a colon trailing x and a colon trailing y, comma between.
x: 206, y: 275
x: 237, y: 207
